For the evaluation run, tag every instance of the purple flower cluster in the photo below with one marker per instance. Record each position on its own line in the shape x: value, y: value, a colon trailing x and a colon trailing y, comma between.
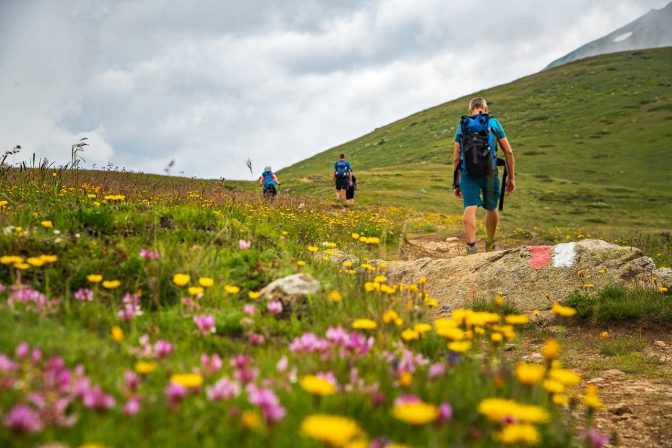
x: 267, y: 401
x: 149, y: 254
x: 205, y: 324
x: 130, y: 307
x: 47, y: 390
x: 22, y: 294
x: 338, y: 342
x: 84, y: 294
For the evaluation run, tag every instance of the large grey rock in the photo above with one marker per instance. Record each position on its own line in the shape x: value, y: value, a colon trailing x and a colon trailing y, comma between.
x: 291, y: 288
x: 533, y: 277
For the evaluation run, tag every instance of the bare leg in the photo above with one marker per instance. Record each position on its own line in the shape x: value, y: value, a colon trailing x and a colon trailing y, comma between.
x: 491, y: 221
x: 469, y: 220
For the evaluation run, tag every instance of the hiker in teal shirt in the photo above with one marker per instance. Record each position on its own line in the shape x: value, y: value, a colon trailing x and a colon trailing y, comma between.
x: 478, y: 178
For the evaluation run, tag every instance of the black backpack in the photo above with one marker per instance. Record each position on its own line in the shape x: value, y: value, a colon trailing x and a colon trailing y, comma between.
x: 477, y: 145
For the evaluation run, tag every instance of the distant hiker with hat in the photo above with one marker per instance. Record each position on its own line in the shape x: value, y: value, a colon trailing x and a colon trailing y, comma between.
x: 342, y: 173
x: 269, y: 182
x: 476, y: 180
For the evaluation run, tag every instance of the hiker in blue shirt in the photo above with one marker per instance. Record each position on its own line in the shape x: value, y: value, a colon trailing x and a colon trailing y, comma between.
x: 476, y: 179
x: 342, y: 173
x: 269, y: 182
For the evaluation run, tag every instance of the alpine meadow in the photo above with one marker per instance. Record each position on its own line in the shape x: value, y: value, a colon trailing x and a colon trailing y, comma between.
x: 146, y: 310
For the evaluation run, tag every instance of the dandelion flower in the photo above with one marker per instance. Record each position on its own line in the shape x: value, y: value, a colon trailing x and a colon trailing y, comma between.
x: 519, y: 433
x: 333, y: 430
x: 195, y: 290
x: 335, y: 296
x: 254, y: 295
x: 415, y: 413
x: 111, y: 284
x: 410, y: 335
x: 47, y: 224
x: 459, y: 347
x: 317, y: 386
x: 231, y: 289
x: 551, y: 349
x: 364, y: 324
x: 187, y: 380
x: 117, y: 334
x: 562, y: 311
x: 530, y: 373
x: 181, y: 279
x: 145, y: 367
x: 206, y: 282
x: 94, y: 278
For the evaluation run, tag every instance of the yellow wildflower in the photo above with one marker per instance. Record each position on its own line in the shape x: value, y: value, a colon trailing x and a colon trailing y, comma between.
x: 517, y: 433
x: 364, y: 324
x: 592, y: 398
x: 117, y: 334
x: 35, y: 261
x: 517, y: 319
x: 313, y: 249
x: 317, y: 386
x: 459, y: 347
x: 250, y: 419
x: 188, y: 380
x: 563, y: 311
x: 565, y: 376
x: 231, y: 289
x: 47, y: 224
x: 417, y: 413
x: 335, y: 296
x: 355, y: 236
x: 530, y: 373
x: 181, y: 279
x: 94, y: 278
x: 254, y: 295
x: 195, y: 290
x: 406, y: 379
x: 206, y: 282
x: 551, y: 349
x: 604, y: 335
x: 49, y: 258
x: 422, y: 327
x: 145, y: 367
x: 333, y: 430
x: 410, y: 335
x: 111, y: 284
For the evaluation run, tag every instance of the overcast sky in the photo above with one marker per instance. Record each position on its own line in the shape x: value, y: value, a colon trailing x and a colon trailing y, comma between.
x: 210, y: 83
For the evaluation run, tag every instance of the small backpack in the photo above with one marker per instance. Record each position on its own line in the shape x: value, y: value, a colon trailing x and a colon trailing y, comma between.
x: 341, y: 169
x: 268, y: 178
x: 477, y: 145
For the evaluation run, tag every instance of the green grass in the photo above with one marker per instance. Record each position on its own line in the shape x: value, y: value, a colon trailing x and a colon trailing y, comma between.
x: 615, y: 304
x: 591, y: 149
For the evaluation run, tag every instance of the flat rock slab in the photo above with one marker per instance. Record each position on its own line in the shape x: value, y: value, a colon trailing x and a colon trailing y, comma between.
x: 291, y: 288
x: 533, y: 277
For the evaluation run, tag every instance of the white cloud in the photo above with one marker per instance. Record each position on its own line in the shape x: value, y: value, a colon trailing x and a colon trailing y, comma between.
x: 209, y: 83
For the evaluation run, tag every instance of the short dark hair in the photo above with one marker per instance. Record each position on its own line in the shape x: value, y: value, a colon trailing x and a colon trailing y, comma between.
x: 342, y: 156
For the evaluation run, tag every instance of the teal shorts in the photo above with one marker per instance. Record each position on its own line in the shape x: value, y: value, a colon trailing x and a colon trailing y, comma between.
x: 481, y: 191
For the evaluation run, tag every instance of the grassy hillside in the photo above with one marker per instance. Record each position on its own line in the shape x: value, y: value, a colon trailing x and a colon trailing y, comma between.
x: 592, y: 141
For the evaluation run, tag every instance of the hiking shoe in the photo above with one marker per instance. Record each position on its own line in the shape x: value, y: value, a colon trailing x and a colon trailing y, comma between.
x: 471, y: 248
x: 490, y: 246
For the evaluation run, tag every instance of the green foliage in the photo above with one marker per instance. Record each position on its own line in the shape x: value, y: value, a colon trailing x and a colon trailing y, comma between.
x: 616, y: 304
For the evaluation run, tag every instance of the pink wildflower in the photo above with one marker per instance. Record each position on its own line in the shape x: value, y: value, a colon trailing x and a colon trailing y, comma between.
x: 267, y: 401
x: 163, y: 348
x: 131, y: 380
x: 256, y: 339
x: 308, y: 343
x: 149, y: 254
x: 130, y: 307
x: 98, y: 400
x: 249, y: 309
x: 84, y: 294
x: 22, y: 350
x: 205, y: 323
x: 175, y: 394
x: 445, y: 412
x: 22, y: 419
x: 132, y: 406
x: 211, y: 363
x: 223, y: 389
x: 244, y: 245
x: 436, y: 370
x: 274, y: 307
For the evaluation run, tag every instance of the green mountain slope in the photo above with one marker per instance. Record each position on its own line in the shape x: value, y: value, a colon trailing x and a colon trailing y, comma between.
x: 592, y: 139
